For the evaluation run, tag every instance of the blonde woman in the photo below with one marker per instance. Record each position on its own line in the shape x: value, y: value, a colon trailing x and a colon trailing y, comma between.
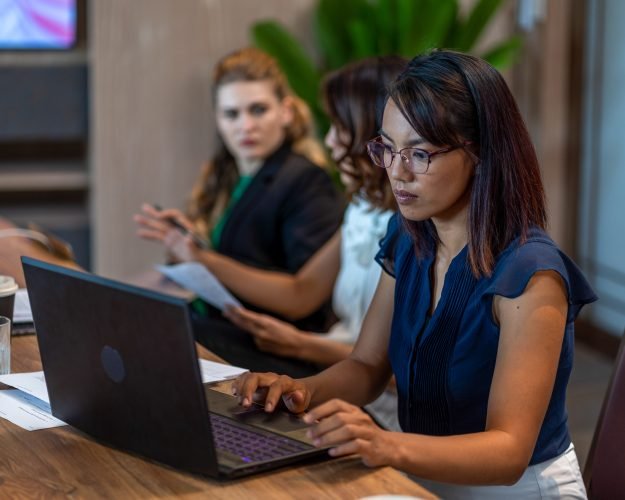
x: 263, y: 199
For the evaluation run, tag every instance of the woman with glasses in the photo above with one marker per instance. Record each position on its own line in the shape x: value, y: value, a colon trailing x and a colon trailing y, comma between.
x: 474, y: 311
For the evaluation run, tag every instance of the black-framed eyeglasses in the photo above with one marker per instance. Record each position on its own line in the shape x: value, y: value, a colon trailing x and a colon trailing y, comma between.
x: 416, y: 160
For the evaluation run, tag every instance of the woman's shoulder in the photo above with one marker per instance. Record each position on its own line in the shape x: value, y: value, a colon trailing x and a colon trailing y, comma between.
x: 536, y: 249
x: 296, y: 160
x: 297, y: 170
x: 363, y: 227
x: 525, y: 257
x: 361, y: 211
x: 395, y: 246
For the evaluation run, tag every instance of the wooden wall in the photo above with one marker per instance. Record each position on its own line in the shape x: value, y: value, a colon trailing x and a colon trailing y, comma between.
x: 547, y: 85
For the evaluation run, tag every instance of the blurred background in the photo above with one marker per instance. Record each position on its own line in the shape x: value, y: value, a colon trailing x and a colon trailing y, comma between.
x: 105, y: 104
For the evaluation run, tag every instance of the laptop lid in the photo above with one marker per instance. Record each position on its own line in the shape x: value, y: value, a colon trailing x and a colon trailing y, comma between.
x: 121, y: 365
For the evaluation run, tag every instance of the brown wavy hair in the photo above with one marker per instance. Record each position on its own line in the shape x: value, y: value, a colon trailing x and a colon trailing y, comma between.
x: 351, y: 97
x: 218, y: 176
x: 449, y: 97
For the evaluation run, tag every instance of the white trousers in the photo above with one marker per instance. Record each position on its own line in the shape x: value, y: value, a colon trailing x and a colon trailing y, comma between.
x: 557, y: 478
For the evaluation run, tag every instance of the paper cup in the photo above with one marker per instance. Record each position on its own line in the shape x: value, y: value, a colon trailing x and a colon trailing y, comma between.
x: 8, y: 287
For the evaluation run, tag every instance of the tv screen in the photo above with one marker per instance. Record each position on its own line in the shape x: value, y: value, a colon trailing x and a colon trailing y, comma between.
x: 37, y: 24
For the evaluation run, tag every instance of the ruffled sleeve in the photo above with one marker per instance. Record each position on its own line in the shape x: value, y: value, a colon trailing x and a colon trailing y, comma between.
x: 388, y: 246
x: 517, y: 266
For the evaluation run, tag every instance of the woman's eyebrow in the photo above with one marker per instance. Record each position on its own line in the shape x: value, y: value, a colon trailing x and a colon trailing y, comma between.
x: 413, y: 142
x: 258, y: 102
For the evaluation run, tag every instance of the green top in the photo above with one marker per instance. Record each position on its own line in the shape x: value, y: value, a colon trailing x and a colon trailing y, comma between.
x: 215, y: 236
x: 237, y: 192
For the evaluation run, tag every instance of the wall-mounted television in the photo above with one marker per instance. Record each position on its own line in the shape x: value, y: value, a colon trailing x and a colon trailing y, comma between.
x: 37, y: 24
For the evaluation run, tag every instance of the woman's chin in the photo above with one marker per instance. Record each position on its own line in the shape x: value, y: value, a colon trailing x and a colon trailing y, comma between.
x: 412, y: 213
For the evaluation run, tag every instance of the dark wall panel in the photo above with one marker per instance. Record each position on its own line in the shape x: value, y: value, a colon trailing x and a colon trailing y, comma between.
x: 43, y: 103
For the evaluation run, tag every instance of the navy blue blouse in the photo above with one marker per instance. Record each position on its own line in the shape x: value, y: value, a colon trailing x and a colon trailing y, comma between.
x: 444, y: 366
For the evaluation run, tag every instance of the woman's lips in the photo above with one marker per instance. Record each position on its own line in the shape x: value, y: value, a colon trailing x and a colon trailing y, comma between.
x: 247, y: 143
x: 404, y: 197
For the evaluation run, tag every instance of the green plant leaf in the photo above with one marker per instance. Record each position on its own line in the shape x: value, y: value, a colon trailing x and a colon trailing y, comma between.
x: 362, y: 43
x: 505, y: 54
x: 477, y: 20
x: 346, y: 30
x: 441, y: 17
x: 291, y: 56
x: 299, y: 69
x: 329, y: 23
x: 406, y: 23
x: 384, y: 26
x: 455, y: 28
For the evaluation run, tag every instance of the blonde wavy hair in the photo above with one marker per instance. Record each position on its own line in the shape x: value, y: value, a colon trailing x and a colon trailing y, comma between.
x: 218, y: 176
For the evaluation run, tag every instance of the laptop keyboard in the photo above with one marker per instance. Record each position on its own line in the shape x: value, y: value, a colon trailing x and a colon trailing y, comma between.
x: 251, y: 446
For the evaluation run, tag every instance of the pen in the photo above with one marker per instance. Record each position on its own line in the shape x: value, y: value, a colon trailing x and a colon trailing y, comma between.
x: 200, y: 242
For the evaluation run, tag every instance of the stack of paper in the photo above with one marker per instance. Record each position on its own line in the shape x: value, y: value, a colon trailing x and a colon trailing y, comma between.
x: 28, y: 406
x: 21, y: 309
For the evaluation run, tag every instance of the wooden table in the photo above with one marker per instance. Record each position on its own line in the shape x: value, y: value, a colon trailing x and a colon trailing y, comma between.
x: 62, y: 463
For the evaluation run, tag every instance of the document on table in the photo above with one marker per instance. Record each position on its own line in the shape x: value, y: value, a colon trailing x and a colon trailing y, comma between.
x: 33, y: 383
x: 27, y: 411
x: 29, y: 405
x: 195, y: 277
x: 21, y: 310
x: 218, y: 372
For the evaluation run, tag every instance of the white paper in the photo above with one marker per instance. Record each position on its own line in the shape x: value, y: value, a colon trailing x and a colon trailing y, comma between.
x: 33, y: 383
x: 217, y: 372
x: 21, y: 310
x: 27, y: 411
x: 195, y: 277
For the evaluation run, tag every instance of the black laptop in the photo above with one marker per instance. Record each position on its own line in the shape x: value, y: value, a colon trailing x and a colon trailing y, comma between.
x: 121, y: 366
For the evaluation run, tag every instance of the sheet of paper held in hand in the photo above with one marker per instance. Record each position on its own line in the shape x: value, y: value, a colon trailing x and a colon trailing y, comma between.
x: 29, y: 406
x: 195, y: 277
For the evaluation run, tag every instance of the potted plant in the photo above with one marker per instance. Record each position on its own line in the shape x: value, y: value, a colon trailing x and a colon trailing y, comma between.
x: 347, y: 30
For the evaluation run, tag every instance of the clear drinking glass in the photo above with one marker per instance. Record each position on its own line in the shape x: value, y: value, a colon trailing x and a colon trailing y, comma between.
x: 5, y: 345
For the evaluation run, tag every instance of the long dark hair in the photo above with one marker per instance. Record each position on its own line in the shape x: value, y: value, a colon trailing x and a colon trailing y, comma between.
x: 351, y: 95
x: 449, y: 97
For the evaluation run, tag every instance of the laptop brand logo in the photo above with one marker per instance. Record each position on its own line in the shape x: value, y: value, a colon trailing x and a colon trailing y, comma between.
x: 113, y: 364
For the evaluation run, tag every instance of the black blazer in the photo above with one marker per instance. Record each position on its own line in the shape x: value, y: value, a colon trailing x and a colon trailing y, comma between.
x: 289, y: 210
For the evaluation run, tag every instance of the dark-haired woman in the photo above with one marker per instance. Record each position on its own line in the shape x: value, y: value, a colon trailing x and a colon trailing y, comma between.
x: 474, y: 312
x: 344, y: 268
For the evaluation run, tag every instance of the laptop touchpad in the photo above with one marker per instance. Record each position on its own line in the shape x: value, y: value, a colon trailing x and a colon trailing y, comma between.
x: 280, y: 422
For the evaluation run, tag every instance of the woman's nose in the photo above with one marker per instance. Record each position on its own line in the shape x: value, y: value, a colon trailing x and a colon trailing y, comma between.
x: 398, y: 169
x: 247, y: 122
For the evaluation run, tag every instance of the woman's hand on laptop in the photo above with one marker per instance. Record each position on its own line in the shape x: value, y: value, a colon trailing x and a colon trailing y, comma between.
x: 269, y: 388
x: 348, y: 430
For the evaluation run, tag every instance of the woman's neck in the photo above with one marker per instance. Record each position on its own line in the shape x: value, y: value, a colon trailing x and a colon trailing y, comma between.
x: 452, y: 232
x: 248, y: 167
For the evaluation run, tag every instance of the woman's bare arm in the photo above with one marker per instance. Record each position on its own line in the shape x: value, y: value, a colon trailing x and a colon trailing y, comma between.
x: 291, y: 296
x: 359, y: 379
x: 532, y: 329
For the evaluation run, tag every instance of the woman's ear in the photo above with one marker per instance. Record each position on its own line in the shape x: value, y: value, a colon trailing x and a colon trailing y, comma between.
x: 288, y: 110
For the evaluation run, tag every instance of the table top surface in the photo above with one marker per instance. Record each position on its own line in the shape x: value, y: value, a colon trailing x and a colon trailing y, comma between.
x: 63, y: 462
